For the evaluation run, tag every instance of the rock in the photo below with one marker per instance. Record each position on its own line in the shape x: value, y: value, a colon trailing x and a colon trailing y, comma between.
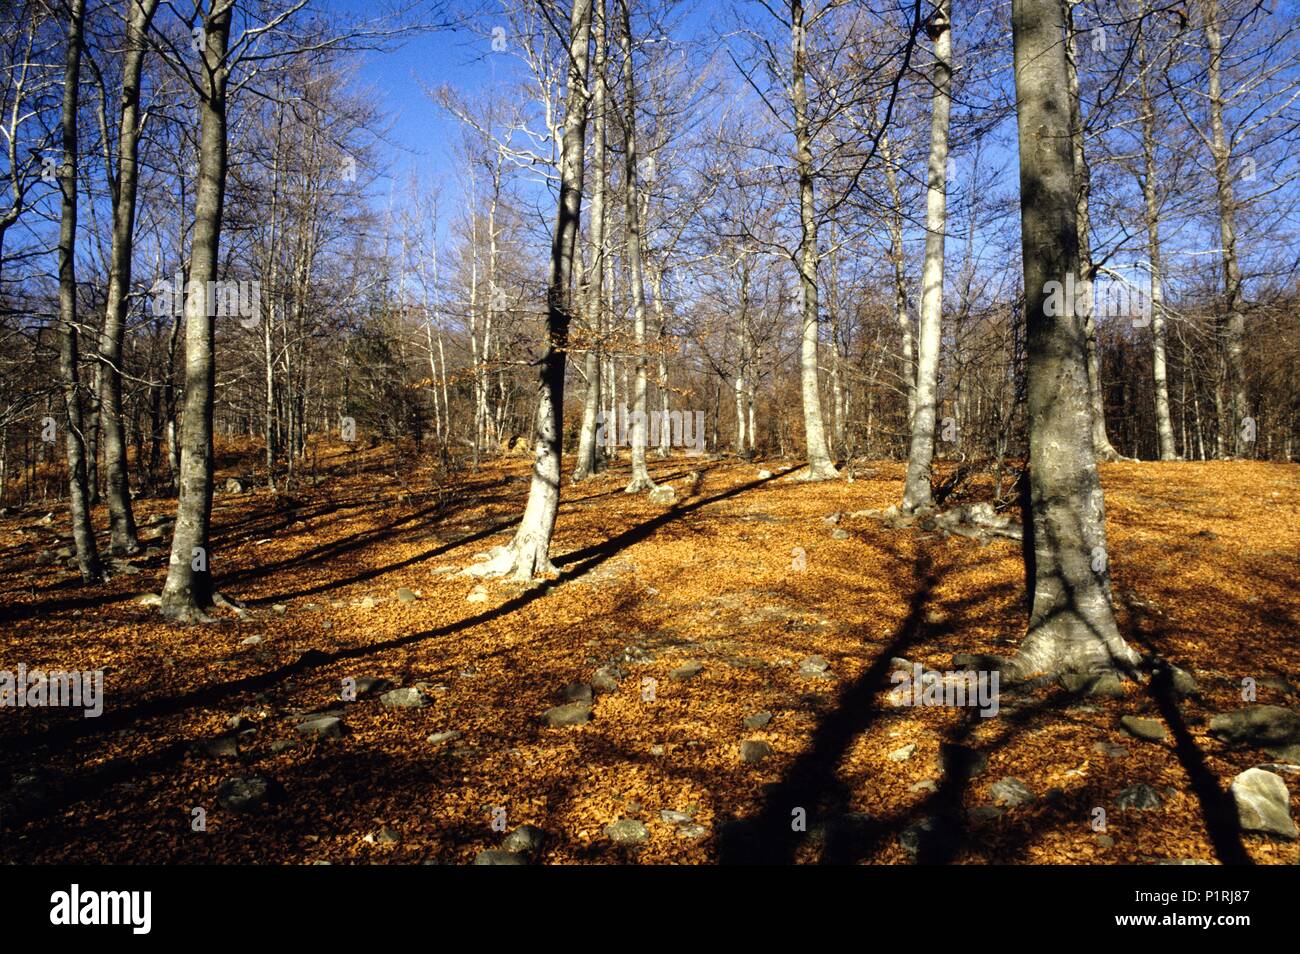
x: 663, y: 494
x: 224, y: 747
x: 571, y: 713
x: 407, y: 698
x: 384, y: 836
x: 686, y: 672
x: 451, y: 735
x: 691, y: 831
x: 406, y: 595
x: 674, y: 817
x: 149, y: 599
x: 324, y: 727
x: 283, y: 745
x: 1148, y: 730
x: 1110, y: 750
x: 1263, y: 803
x: 279, y: 609
x: 526, y: 840
x: 606, y: 679
x: 238, y: 485
x: 814, y: 667
x: 1010, y: 792
x: 764, y: 475
x: 925, y: 785
x: 839, y: 534
x: 1104, y: 841
x: 477, y: 595
x: 626, y: 831
x: 250, y: 641
x: 1106, y: 685
x: 577, y: 692
x: 370, y: 685
x: 368, y: 603
x: 758, y: 720
x: 495, y: 856
x: 903, y: 754
x: 1140, y: 796
x: 1257, y: 726
x: 246, y: 796
x: 753, y: 751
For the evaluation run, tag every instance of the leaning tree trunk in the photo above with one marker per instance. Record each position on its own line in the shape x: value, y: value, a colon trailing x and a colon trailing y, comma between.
x: 529, y: 553
x: 1082, y: 194
x: 1072, y: 623
x: 78, y: 494
x: 1231, y: 396
x: 189, y: 590
x: 588, y: 454
x: 121, y: 520
x: 916, y: 491
x: 820, y: 465
x: 1164, y: 424
x: 638, y: 432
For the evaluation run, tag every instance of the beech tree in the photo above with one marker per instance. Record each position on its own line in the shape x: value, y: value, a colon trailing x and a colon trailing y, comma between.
x: 1072, y: 624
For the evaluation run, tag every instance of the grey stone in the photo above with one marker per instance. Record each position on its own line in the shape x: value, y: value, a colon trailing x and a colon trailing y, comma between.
x: 406, y: 698
x: 577, y: 692
x: 1263, y: 803
x: 674, y: 817
x: 839, y: 534
x: 325, y: 727
x: 225, y: 747
x: 250, y: 641
x: 245, y: 796
x: 406, y: 595
x: 1010, y: 792
x: 663, y: 494
x: 758, y: 720
x: 754, y: 750
x: 686, y: 672
x: 606, y: 679
x: 903, y: 754
x: 369, y: 685
x: 451, y: 735
x: 1140, y: 796
x: 526, y: 840
x: 384, y: 836
x: 569, y: 714
x: 1110, y: 750
x: 495, y: 856
x: 1148, y: 730
x: 626, y: 831
x: 1257, y: 726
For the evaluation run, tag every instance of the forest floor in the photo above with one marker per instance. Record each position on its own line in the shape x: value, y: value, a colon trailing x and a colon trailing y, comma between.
x: 1204, y: 556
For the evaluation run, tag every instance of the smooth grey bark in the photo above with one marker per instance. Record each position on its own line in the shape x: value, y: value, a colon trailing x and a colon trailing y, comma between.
x: 820, y: 465
x: 638, y: 430
x: 916, y: 490
x: 121, y: 520
x: 1082, y: 196
x: 1230, y: 395
x: 1164, y: 424
x: 529, y: 553
x: 78, y: 493
x: 1072, y: 622
x: 189, y: 589
x: 898, y: 256
x: 588, y: 461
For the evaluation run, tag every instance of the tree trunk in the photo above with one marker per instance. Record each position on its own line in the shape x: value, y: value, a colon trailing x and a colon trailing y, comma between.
x: 1164, y: 425
x: 916, y: 491
x: 820, y: 465
x: 1231, y: 401
x: 588, y: 454
x: 121, y: 520
x: 1072, y: 623
x: 78, y: 492
x: 638, y: 429
x: 898, y: 256
x: 529, y: 553
x: 189, y: 590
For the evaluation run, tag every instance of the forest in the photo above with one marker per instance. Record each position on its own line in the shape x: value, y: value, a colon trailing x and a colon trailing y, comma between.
x: 649, y: 432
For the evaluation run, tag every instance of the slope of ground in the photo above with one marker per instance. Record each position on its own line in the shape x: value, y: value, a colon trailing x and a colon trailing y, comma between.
x: 784, y: 611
